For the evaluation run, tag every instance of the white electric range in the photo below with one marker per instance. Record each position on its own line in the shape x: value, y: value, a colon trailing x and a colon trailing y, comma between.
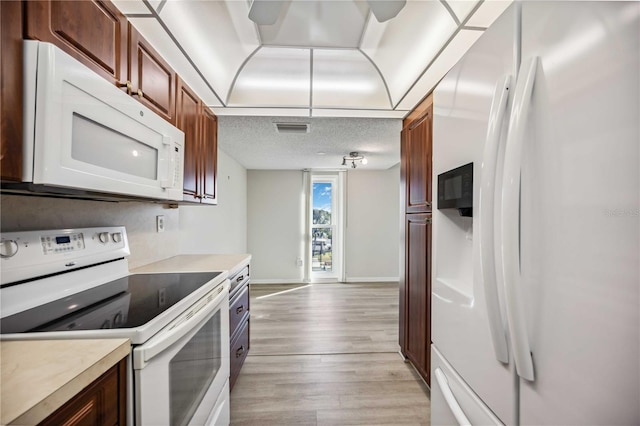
x: 75, y: 284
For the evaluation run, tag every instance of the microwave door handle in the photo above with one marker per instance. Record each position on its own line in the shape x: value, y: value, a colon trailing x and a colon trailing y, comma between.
x: 168, y: 179
x: 497, y: 115
x: 510, y: 244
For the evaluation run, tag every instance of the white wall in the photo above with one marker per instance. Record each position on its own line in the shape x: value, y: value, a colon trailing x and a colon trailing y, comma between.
x: 371, y: 234
x: 275, y: 224
x: 21, y: 213
x: 221, y: 228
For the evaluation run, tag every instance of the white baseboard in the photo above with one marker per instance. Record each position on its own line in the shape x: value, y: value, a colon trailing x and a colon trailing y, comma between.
x: 372, y: 279
x: 326, y: 280
x: 278, y: 281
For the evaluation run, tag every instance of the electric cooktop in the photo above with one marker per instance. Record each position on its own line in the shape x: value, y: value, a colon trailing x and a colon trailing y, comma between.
x: 128, y: 302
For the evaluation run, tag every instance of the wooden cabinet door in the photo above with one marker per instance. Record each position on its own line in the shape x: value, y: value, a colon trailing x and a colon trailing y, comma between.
x: 404, y: 135
x: 92, y: 31
x: 209, y: 155
x: 152, y: 79
x: 418, y: 164
x: 103, y: 402
x: 187, y: 120
x: 11, y: 93
x: 418, y: 292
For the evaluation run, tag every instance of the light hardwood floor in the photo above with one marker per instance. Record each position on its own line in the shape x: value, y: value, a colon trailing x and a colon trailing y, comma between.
x: 327, y: 354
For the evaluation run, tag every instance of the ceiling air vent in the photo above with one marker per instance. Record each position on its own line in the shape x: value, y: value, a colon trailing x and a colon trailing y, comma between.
x: 292, y: 127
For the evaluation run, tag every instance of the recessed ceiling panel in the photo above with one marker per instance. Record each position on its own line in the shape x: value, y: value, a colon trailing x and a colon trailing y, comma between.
x: 462, y: 8
x: 402, y: 47
x: 213, y: 36
x: 131, y: 6
x: 487, y: 13
x: 274, y: 77
x: 317, y: 24
x: 346, y: 78
x: 155, y: 34
x: 452, y: 54
x: 263, y: 112
x: 156, y: 3
x: 359, y: 113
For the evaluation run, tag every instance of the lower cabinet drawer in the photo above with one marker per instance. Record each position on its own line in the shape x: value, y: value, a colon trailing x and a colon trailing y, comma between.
x: 238, y: 309
x: 239, y: 348
x: 238, y: 279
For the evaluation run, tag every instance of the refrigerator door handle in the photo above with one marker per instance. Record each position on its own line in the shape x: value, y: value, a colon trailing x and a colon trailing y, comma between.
x: 487, y: 207
x: 453, y: 404
x: 510, y: 245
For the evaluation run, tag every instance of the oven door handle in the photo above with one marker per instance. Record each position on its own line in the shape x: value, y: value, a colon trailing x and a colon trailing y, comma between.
x: 189, y: 320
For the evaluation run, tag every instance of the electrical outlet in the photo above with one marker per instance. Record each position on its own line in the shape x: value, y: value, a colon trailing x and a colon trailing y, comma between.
x: 160, y: 223
x: 299, y: 261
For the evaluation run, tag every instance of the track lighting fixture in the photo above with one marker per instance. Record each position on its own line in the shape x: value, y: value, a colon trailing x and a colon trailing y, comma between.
x: 353, y: 157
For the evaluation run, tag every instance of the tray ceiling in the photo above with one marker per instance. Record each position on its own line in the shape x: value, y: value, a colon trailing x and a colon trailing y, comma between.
x: 319, y: 59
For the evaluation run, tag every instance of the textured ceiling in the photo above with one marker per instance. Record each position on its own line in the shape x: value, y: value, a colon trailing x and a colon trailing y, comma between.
x: 254, y: 142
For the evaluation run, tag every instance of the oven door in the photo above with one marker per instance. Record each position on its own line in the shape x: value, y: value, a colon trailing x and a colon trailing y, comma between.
x: 181, y: 374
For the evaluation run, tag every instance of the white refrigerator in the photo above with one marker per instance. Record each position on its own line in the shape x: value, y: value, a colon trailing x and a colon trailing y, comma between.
x: 536, y: 298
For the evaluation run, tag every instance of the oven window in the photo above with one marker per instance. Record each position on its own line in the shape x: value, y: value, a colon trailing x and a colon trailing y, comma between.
x: 192, y: 370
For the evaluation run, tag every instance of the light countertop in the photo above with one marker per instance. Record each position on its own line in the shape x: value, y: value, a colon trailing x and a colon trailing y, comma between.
x: 198, y: 263
x: 38, y: 376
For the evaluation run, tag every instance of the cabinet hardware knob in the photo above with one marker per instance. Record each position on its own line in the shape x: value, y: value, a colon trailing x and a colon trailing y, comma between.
x: 239, y: 309
x: 428, y: 204
x: 126, y: 84
x: 427, y: 220
x: 240, y: 351
x: 240, y: 278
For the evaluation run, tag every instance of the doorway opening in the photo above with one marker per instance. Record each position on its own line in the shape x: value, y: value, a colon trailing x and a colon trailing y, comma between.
x: 325, y: 227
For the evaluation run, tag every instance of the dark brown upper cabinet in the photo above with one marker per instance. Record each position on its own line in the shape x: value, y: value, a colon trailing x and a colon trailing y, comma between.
x: 92, y: 31
x: 417, y: 150
x: 209, y: 154
x: 11, y: 93
x: 200, y: 127
x: 151, y: 78
x: 188, y: 108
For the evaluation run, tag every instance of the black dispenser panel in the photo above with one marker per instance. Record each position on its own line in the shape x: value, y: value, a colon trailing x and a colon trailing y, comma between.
x: 455, y: 190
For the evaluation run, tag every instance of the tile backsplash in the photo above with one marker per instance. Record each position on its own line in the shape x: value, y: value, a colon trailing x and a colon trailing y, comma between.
x: 23, y: 213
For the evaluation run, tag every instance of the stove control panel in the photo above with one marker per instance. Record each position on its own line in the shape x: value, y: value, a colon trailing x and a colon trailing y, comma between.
x: 52, y: 244
x: 31, y: 254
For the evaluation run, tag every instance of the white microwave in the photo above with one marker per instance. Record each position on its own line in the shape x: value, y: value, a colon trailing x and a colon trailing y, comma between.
x: 84, y: 136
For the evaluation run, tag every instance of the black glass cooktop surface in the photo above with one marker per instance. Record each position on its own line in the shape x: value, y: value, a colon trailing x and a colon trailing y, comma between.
x: 124, y: 303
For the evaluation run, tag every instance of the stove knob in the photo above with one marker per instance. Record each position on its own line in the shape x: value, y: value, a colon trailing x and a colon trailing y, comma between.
x: 103, y: 237
x: 117, y: 237
x: 8, y: 248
